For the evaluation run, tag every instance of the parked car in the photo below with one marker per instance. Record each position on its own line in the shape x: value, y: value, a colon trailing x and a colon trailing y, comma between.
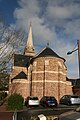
x: 48, y: 101
x: 70, y: 100
x: 32, y: 101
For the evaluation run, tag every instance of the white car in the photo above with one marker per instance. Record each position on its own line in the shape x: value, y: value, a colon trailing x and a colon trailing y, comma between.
x: 32, y: 101
x: 70, y: 100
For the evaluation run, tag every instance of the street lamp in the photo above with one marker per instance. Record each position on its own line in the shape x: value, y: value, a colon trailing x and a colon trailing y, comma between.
x: 70, y: 52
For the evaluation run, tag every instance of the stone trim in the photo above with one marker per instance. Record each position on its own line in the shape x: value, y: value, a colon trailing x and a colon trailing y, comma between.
x: 50, y: 81
x: 20, y: 81
x: 49, y: 72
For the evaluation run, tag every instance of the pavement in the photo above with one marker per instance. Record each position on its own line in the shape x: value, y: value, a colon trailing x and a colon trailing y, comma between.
x: 8, y: 115
x: 3, y: 108
x: 4, y: 114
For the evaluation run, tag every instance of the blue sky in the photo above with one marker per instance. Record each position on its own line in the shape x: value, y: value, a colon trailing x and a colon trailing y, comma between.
x: 7, y: 9
x: 53, y: 21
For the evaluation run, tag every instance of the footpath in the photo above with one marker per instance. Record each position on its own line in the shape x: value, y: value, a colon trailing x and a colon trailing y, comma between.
x: 5, y: 115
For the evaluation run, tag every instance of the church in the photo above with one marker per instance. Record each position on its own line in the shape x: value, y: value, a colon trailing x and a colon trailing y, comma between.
x: 41, y: 74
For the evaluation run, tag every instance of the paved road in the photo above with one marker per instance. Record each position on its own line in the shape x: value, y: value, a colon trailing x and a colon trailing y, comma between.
x: 27, y: 113
x: 45, y: 111
x: 72, y: 115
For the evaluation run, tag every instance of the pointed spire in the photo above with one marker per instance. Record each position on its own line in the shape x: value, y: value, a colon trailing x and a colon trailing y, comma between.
x: 29, y: 50
x: 29, y: 40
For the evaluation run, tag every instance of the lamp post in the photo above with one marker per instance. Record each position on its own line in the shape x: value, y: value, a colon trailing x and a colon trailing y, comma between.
x: 78, y: 42
x: 79, y: 55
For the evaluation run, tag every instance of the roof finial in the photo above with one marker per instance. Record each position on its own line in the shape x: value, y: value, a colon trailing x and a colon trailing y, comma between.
x: 47, y: 44
x: 30, y: 23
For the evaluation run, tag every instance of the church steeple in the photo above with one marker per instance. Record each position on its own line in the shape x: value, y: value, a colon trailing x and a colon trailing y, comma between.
x: 29, y: 50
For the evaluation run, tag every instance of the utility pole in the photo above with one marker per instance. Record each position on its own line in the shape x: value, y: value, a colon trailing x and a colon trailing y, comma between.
x: 79, y: 55
x: 70, y: 52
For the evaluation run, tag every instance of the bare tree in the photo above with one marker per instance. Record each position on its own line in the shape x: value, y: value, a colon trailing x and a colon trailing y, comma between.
x: 10, y: 41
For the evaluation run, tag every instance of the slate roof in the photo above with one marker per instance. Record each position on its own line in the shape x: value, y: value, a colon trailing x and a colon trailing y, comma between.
x: 47, y: 52
x: 21, y: 75
x: 77, y: 82
x: 21, y: 60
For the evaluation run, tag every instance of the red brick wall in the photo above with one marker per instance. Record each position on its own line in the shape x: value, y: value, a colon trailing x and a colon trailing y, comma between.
x: 20, y: 86
x: 53, y: 71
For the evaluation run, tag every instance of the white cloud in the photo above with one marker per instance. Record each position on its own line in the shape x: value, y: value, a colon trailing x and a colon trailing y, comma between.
x: 60, y: 13
x: 29, y: 12
x: 63, y: 12
x: 73, y: 28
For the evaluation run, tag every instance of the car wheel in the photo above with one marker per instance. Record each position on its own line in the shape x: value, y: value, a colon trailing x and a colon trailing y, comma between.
x: 27, y: 105
x: 45, y: 105
x: 69, y: 103
x: 56, y: 105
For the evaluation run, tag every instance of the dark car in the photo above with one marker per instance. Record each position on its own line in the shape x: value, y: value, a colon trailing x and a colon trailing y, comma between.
x: 32, y: 101
x: 48, y: 101
x: 70, y: 100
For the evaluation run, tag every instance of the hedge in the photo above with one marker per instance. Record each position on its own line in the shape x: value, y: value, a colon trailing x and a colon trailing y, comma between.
x: 15, y: 102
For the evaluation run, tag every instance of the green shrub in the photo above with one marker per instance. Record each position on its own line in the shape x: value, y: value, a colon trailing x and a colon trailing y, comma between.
x: 15, y: 102
x: 3, y: 95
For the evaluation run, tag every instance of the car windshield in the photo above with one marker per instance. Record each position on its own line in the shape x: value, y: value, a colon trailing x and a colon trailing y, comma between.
x: 50, y: 98
x: 33, y: 98
x: 75, y: 96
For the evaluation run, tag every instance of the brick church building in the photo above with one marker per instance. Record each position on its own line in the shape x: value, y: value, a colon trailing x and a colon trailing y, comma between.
x: 39, y: 74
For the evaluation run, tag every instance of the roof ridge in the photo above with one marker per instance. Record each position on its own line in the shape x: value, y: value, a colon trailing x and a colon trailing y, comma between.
x: 18, y: 75
x: 47, y: 51
x: 40, y: 52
